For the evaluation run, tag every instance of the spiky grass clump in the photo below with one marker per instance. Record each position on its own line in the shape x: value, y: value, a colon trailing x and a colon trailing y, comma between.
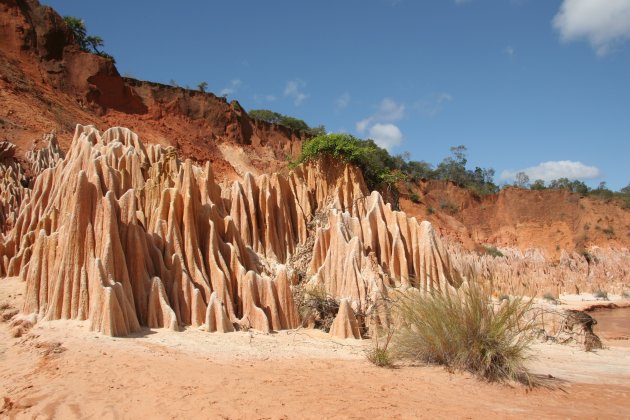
x: 463, y: 330
x: 380, y: 354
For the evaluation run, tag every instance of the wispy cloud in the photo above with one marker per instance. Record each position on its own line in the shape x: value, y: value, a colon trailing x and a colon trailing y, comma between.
x: 551, y: 170
x: 231, y: 88
x: 265, y: 98
x: 294, y: 90
x: 462, y: 1
x: 604, y: 23
x: 388, y: 111
x: 434, y: 104
x: 342, y: 102
x: 509, y: 51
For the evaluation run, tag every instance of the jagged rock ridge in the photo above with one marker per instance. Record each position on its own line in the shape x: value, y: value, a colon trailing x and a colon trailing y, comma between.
x: 127, y: 236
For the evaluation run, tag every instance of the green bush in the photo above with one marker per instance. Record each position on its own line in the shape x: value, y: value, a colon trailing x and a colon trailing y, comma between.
x: 414, y: 198
x: 374, y: 162
x: 601, y: 294
x: 448, y: 207
x: 284, y: 120
x: 463, y: 330
x: 550, y: 297
x: 493, y: 251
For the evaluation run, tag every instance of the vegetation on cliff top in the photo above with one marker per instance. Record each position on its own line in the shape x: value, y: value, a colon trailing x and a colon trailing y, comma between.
x: 602, y: 192
x: 284, y: 120
x: 87, y: 43
x: 380, y: 169
x: 377, y: 165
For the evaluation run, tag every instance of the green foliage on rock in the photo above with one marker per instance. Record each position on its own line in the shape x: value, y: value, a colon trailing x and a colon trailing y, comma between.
x: 376, y: 163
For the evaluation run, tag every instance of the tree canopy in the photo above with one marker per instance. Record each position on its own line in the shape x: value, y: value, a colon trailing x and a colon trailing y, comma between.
x: 284, y: 120
x: 376, y: 163
x: 87, y: 43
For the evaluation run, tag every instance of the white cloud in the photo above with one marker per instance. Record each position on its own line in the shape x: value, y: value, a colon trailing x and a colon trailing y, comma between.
x: 433, y: 104
x: 551, y: 170
x: 509, y: 51
x: 386, y: 135
x: 388, y: 111
x: 264, y: 98
x: 603, y: 23
x: 462, y: 1
x: 343, y: 101
x: 232, y: 88
x: 294, y: 90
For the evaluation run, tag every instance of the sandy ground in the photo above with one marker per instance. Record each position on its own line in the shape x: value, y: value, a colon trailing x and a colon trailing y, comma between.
x: 62, y: 370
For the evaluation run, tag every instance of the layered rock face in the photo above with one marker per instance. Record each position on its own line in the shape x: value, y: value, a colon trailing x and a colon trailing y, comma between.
x: 48, y: 82
x: 126, y: 236
x: 530, y: 273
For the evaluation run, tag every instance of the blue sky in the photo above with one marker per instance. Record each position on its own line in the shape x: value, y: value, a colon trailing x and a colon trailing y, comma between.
x: 520, y: 83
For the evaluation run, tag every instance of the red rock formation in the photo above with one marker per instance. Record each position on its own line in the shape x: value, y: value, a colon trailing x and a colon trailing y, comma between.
x: 531, y: 274
x: 46, y: 156
x: 345, y: 324
x: 126, y: 235
x: 12, y: 191
x: 48, y: 84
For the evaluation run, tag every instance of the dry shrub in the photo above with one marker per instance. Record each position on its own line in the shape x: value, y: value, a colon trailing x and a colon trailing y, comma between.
x: 463, y: 330
x: 7, y: 314
x: 316, y: 306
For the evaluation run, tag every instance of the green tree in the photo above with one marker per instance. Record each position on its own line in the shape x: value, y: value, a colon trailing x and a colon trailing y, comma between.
x: 265, y: 115
x: 566, y: 184
x: 538, y: 184
x: 202, y: 86
x: 284, y: 120
x: 521, y: 180
x: 453, y: 168
x: 87, y: 43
